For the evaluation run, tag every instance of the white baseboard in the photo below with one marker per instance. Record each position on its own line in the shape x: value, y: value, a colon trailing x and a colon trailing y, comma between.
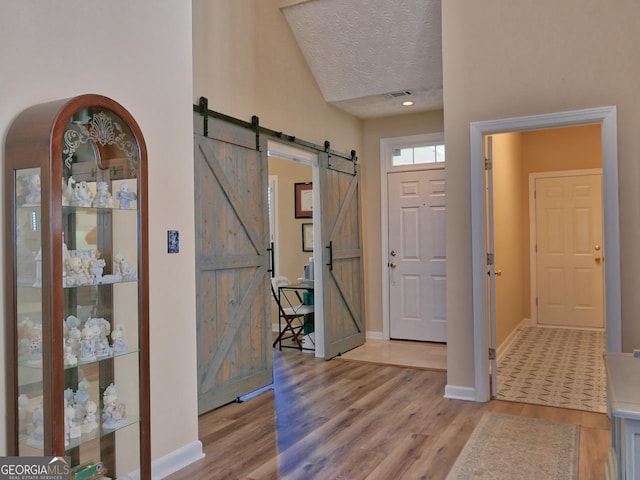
x: 376, y: 335
x: 176, y: 460
x: 460, y: 393
x: 171, y: 463
x: 504, y: 346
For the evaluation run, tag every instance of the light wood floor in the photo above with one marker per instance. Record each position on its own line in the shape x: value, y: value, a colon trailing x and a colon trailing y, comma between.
x: 345, y: 420
x: 430, y: 356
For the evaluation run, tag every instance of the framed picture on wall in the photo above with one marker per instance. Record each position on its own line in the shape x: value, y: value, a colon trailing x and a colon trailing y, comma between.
x: 307, y: 237
x: 303, y: 200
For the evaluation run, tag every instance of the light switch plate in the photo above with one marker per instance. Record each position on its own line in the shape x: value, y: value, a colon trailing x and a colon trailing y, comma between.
x: 173, y: 241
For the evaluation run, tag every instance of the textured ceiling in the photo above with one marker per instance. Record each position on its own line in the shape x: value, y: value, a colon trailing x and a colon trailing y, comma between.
x: 361, y: 50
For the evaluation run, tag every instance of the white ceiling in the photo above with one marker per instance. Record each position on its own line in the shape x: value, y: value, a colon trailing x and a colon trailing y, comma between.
x: 359, y: 51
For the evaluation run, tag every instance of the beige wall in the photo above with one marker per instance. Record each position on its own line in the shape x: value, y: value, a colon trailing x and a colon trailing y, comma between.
x: 51, y: 50
x: 505, y: 59
x: 289, y: 248
x: 508, y: 234
x: 259, y: 70
x: 246, y: 62
x: 374, y: 131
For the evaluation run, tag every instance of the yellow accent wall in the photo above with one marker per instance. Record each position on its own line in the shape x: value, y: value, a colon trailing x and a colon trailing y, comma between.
x: 516, y: 156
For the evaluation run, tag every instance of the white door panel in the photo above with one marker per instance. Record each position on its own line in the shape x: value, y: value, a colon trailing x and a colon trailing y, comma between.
x: 417, y: 255
x: 569, y: 251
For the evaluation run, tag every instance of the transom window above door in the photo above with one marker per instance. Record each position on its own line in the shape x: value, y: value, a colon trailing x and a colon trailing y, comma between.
x: 418, y: 155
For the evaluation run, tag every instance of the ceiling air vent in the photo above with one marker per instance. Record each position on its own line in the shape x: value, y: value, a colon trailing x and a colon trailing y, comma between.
x: 402, y: 93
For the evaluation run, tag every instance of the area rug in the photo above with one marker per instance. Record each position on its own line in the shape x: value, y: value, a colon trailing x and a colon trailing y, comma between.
x: 506, y: 447
x: 557, y: 367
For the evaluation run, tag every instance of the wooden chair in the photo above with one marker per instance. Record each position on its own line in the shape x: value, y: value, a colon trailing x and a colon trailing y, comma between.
x: 292, y: 313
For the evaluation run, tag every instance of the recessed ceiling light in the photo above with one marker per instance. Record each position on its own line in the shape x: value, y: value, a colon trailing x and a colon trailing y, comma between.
x: 408, y: 103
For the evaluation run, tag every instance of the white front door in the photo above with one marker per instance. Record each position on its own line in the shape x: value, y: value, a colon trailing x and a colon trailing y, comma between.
x: 569, y: 256
x: 417, y: 255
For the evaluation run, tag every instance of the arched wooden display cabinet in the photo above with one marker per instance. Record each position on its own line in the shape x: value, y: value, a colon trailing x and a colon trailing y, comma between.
x: 77, y: 286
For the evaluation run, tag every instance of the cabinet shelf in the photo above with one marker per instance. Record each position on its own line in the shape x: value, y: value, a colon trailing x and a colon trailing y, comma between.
x: 77, y: 236
x: 85, y: 438
x: 83, y: 363
x: 100, y: 432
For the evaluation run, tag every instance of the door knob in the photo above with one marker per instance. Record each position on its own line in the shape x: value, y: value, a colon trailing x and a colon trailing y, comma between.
x: 393, y: 253
x: 392, y: 264
x: 598, y: 259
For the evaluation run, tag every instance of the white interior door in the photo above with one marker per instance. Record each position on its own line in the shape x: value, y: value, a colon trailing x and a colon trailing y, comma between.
x: 569, y: 251
x: 491, y: 270
x: 417, y: 255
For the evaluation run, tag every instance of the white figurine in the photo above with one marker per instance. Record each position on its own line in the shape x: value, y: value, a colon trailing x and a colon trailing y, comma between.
x: 88, y: 345
x: 122, y: 268
x: 96, y: 267
x: 77, y: 273
x: 125, y: 196
x: 103, y: 198
x: 68, y: 191
x: 81, y: 195
x: 70, y: 358
x: 118, y: 339
x: 101, y: 328
x: 114, y: 412
x: 90, y: 422
x: 34, y: 336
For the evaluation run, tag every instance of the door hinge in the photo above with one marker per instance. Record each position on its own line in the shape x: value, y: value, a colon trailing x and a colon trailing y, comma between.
x: 492, y: 353
x: 536, y: 301
x: 489, y: 258
x: 487, y: 164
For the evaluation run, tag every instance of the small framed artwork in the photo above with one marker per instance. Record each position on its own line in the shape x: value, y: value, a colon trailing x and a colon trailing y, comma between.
x: 303, y: 200
x: 307, y: 237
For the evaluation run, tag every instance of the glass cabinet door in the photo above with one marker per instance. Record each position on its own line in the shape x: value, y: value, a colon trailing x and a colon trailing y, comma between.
x: 100, y: 291
x: 28, y: 271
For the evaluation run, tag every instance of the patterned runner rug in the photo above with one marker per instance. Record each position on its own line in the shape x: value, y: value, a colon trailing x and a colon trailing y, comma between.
x: 510, y: 448
x: 559, y: 367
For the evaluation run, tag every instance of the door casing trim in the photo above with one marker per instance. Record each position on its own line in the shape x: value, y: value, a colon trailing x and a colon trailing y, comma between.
x: 607, y: 118
x: 386, y: 147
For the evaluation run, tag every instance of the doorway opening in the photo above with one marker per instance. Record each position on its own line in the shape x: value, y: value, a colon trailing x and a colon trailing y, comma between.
x: 605, y: 118
x: 545, y: 224
x: 294, y: 230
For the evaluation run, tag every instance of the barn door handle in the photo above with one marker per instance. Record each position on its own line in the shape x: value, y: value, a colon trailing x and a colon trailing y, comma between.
x: 330, y: 248
x: 271, y: 260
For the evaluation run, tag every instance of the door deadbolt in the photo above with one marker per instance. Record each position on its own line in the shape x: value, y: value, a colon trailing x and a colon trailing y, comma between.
x: 393, y: 253
x: 597, y: 248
